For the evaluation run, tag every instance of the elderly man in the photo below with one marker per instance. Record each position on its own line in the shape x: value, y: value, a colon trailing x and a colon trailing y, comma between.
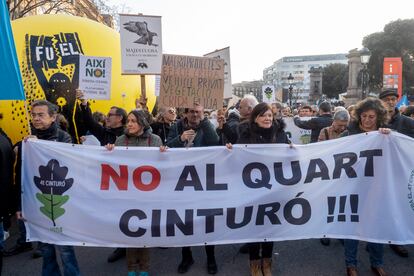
x: 194, y: 130
x: 402, y: 124
x: 45, y: 128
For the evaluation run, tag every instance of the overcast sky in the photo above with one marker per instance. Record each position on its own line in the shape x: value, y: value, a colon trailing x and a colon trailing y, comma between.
x: 262, y: 31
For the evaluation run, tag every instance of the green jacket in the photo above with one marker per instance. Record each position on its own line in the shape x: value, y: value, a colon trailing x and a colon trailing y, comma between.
x: 147, y: 139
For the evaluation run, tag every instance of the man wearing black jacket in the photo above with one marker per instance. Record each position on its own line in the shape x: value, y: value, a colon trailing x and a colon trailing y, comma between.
x: 44, y: 127
x: 6, y: 182
x: 401, y: 124
x: 115, y: 122
x: 228, y: 128
x: 316, y: 124
x: 115, y: 127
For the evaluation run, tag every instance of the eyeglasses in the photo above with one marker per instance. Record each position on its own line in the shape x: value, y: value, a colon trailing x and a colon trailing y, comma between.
x: 171, y: 111
x: 40, y: 115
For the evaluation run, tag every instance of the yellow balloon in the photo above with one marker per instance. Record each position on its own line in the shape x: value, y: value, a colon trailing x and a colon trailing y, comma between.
x: 47, y: 47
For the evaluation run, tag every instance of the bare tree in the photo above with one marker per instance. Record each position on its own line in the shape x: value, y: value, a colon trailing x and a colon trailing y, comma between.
x: 21, y: 8
x: 92, y: 9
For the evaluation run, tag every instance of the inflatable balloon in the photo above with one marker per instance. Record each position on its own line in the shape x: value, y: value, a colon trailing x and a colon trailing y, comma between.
x: 48, y: 47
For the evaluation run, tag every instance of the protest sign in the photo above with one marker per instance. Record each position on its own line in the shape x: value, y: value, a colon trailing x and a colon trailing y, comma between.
x: 95, y: 77
x: 269, y: 94
x: 187, y: 80
x: 135, y: 197
x: 141, y: 44
x: 225, y: 55
x: 295, y: 134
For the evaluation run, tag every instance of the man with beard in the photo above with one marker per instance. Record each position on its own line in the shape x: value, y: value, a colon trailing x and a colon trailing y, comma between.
x: 194, y: 130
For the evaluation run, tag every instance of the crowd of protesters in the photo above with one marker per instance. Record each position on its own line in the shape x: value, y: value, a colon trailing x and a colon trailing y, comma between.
x: 247, y: 122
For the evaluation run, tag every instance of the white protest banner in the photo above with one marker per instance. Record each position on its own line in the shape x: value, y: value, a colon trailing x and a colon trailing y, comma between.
x: 225, y: 55
x: 357, y: 187
x: 141, y: 44
x: 269, y: 94
x: 295, y: 134
x: 95, y: 77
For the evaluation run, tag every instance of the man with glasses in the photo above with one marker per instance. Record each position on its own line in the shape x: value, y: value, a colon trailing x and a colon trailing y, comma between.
x: 44, y: 127
x: 115, y: 122
x: 194, y: 130
x: 114, y: 127
x: 401, y: 124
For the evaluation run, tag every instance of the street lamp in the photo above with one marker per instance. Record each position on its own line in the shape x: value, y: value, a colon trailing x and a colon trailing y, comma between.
x: 365, y: 55
x: 290, y: 81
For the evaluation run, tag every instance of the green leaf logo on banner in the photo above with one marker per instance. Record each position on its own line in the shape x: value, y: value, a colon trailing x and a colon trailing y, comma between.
x: 52, y: 183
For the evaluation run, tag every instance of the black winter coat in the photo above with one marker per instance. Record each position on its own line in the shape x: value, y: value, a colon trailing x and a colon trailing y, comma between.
x: 162, y: 130
x: 402, y: 124
x: 53, y: 133
x: 229, y: 133
x: 6, y: 175
x: 103, y: 134
x: 251, y: 133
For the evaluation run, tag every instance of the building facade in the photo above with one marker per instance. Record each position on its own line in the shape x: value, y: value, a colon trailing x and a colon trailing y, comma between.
x: 248, y: 87
x: 299, y: 67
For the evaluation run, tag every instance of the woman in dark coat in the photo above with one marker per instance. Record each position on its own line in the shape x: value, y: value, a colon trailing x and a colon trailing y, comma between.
x: 262, y: 128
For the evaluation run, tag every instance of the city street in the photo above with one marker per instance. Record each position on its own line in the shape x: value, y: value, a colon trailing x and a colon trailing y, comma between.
x: 303, y: 257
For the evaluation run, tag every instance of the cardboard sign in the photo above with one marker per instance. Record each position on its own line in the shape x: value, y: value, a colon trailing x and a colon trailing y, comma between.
x: 141, y: 44
x: 224, y: 54
x: 187, y: 80
x: 95, y: 77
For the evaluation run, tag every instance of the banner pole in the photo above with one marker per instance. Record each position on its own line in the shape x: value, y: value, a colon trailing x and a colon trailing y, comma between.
x: 143, y: 89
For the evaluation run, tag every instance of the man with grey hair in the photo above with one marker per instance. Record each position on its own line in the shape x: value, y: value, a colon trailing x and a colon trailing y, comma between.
x: 339, y: 124
x: 228, y: 129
